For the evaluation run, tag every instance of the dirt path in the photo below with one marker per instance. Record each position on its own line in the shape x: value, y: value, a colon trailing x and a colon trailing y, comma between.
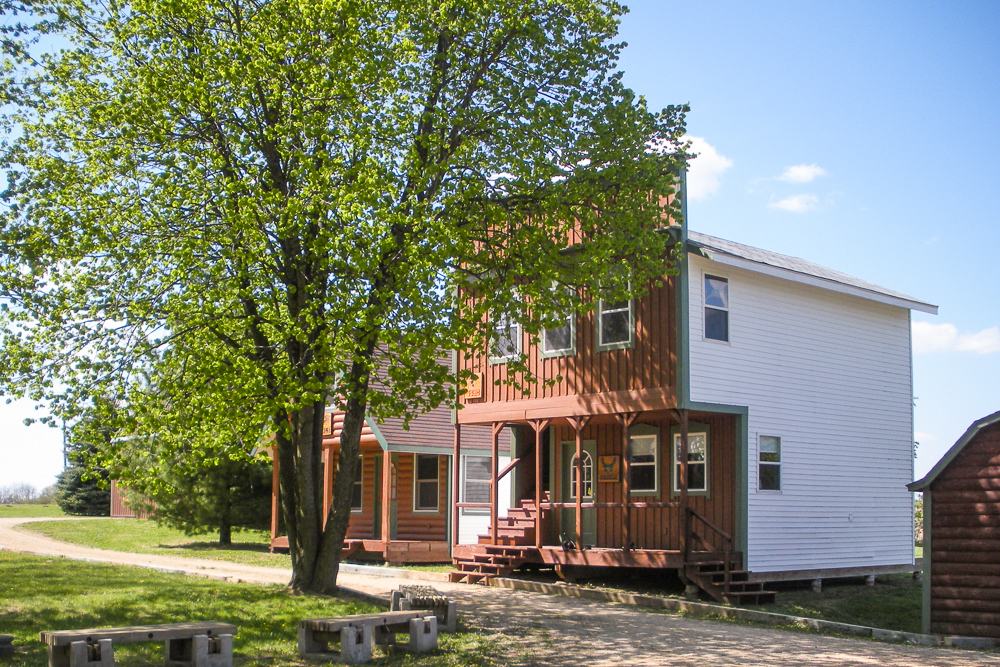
x: 568, y: 632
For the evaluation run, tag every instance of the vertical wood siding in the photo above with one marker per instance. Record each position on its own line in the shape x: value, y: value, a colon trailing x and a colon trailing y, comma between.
x: 650, y: 363
x: 412, y: 525
x: 658, y: 527
x: 965, y: 541
x: 829, y: 374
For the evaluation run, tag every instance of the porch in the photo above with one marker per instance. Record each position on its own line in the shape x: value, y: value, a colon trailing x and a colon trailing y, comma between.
x: 652, y: 489
x: 390, y: 551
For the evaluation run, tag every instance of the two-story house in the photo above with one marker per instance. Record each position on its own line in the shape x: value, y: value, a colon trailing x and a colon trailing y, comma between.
x: 750, y: 418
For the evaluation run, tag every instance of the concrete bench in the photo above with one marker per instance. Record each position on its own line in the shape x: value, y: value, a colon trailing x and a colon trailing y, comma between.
x: 205, y: 644
x: 412, y: 598
x: 356, y: 634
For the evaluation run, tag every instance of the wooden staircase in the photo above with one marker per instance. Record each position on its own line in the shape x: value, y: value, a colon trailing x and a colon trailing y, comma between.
x: 717, y: 571
x: 730, y: 585
x: 514, y: 547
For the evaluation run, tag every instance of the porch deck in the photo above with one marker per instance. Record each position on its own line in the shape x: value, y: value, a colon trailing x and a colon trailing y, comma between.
x: 391, y: 551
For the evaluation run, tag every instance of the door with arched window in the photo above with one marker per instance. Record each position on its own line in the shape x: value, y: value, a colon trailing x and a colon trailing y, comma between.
x: 568, y: 491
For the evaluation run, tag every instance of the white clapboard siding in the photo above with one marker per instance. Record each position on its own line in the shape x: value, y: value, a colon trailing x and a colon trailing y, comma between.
x: 473, y: 523
x: 830, y: 375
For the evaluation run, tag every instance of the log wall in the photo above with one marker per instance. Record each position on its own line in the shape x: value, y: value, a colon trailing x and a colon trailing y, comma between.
x: 965, y: 541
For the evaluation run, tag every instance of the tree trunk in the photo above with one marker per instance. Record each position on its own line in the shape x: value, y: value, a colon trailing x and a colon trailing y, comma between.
x: 225, y: 533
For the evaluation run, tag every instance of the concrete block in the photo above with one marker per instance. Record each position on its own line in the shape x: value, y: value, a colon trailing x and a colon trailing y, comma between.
x: 212, y: 651
x: 356, y: 644
x: 309, y: 645
x: 976, y: 643
x: 423, y: 634
x: 817, y: 585
x: 98, y: 654
x: 870, y: 580
x: 450, y: 620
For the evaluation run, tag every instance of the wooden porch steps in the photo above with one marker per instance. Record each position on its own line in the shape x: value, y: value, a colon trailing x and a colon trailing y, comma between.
x: 488, y: 561
x: 710, y: 576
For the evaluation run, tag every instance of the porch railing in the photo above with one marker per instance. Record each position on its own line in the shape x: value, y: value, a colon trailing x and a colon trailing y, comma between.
x: 693, y: 534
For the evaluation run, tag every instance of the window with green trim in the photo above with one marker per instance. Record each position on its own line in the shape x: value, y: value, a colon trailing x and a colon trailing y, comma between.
x: 426, y: 483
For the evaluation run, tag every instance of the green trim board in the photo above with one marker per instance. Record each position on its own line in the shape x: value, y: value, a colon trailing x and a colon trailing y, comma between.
x: 955, y: 450
x: 377, y: 433
x: 742, y: 519
x: 927, y: 565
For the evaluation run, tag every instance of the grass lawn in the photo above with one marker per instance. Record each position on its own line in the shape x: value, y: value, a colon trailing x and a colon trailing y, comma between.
x: 143, y: 536
x: 893, y: 603
x: 29, y: 511
x: 250, y: 547
x: 41, y: 593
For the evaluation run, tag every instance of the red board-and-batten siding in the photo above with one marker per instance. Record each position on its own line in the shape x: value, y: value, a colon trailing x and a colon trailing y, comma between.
x: 656, y: 527
x: 965, y: 540
x: 119, y: 505
x: 589, y: 381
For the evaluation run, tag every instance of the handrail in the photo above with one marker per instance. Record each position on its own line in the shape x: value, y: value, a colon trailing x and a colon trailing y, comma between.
x: 727, y: 539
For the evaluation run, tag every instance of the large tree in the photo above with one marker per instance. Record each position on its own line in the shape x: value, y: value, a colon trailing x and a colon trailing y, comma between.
x: 283, y: 194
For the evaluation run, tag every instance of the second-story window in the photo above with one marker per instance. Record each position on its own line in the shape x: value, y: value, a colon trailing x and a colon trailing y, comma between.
x: 561, y: 340
x: 716, y: 308
x: 506, y: 339
x: 614, y: 324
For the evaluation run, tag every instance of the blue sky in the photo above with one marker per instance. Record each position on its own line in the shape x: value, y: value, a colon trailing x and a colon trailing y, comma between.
x: 890, y: 114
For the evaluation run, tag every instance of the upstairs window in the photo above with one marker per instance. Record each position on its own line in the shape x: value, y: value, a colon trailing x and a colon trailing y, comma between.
x: 769, y: 463
x: 716, y: 308
x: 560, y: 341
x: 506, y: 339
x: 426, y: 483
x: 614, y: 324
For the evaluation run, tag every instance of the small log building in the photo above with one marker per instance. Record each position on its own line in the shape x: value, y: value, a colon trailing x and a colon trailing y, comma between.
x: 962, y: 535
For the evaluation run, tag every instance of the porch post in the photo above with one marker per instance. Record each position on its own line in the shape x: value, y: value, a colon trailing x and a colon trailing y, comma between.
x: 685, y: 515
x: 456, y: 484
x: 386, y: 493
x: 626, y: 420
x: 540, y: 425
x: 494, y: 479
x: 327, y: 480
x: 275, y: 498
x: 579, y: 423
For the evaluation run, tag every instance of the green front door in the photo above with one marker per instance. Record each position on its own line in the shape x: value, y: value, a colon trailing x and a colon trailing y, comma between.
x: 568, y: 494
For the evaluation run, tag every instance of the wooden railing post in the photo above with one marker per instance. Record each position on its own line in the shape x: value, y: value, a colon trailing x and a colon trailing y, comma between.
x: 386, y: 494
x: 540, y: 425
x: 456, y: 485
x: 626, y: 420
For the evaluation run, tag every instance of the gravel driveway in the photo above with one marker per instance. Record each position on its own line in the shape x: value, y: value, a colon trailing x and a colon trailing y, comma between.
x: 565, y: 631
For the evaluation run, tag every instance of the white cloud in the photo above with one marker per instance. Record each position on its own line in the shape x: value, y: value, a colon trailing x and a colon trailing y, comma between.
x: 705, y: 170
x: 802, y: 173
x: 928, y: 337
x: 796, y: 203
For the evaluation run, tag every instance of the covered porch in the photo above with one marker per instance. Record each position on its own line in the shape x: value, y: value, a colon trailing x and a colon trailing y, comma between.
x: 646, y: 488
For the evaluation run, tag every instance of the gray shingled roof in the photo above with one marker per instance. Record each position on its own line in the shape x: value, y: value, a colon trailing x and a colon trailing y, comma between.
x: 749, y: 253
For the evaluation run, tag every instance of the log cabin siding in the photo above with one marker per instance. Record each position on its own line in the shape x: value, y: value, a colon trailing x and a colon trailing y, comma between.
x: 965, y: 540
x: 650, y: 363
x: 419, y: 525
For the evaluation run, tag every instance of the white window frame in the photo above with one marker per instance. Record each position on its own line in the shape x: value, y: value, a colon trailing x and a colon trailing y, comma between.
x: 417, y: 481
x: 588, y: 465
x: 761, y: 462
x: 676, y: 463
x: 643, y: 433
x: 706, y: 307
x: 465, y: 482
x: 359, y: 481
x: 619, y: 345
x: 495, y: 319
x: 570, y: 323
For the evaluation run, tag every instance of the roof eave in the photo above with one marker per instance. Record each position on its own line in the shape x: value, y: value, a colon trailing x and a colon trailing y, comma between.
x: 956, y: 449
